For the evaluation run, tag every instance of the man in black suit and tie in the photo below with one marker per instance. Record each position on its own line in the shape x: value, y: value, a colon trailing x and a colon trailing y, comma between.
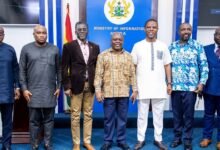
x: 78, y: 71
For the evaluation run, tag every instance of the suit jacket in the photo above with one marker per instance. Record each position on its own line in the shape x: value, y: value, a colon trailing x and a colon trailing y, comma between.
x: 74, y: 67
x: 213, y: 83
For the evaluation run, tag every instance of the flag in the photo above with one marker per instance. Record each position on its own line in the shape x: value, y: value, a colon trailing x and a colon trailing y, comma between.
x: 68, y: 30
x: 67, y: 38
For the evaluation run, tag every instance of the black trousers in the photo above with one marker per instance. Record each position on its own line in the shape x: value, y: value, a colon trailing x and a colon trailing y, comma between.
x: 41, y: 118
x: 6, y: 114
x: 183, y: 103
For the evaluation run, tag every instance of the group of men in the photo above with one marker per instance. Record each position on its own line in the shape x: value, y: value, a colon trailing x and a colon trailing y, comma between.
x: 153, y: 70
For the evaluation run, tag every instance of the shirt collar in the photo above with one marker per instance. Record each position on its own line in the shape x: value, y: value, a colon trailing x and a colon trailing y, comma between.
x: 189, y: 42
x: 111, y: 50
x: 216, y: 47
x: 81, y: 43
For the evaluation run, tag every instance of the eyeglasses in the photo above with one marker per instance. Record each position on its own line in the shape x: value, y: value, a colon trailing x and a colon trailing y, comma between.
x: 82, y: 29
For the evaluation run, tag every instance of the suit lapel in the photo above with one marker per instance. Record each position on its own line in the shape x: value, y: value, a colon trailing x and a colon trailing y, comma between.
x: 90, y: 51
x: 79, y: 51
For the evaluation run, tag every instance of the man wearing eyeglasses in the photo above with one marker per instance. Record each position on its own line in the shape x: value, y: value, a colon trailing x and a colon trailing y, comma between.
x: 78, y: 71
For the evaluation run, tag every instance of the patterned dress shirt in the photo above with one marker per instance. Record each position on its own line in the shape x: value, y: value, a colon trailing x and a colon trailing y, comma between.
x: 189, y: 65
x: 115, y: 72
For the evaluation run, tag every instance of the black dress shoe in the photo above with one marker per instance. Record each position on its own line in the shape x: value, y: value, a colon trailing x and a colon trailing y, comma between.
x: 187, y: 146
x: 34, y: 148
x: 6, y: 148
x: 175, y: 143
x: 106, y: 147
x: 139, y: 145
x: 160, y: 145
x: 47, y: 147
x: 124, y: 146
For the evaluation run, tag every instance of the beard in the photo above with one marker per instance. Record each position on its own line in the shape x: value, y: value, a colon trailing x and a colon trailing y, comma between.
x: 185, y: 37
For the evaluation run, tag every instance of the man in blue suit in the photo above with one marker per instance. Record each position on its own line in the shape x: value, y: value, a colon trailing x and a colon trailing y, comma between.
x: 212, y: 92
x: 9, y: 88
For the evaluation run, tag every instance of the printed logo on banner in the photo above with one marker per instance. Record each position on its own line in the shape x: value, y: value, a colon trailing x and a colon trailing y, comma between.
x: 119, y: 11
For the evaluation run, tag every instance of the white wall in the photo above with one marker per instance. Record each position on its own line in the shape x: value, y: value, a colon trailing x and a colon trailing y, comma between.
x: 165, y: 20
x: 205, y: 35
x: 17, y: 36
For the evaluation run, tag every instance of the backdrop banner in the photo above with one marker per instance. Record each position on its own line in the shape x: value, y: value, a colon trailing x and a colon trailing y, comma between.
x: 108, y: 16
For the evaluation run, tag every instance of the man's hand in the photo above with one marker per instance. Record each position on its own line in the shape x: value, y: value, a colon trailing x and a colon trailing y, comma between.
x: 199, y: 89
x: 17, y: 94
x: 99, y: 96
x: 57, y: 93
x: 134, y: 96
x: 68, y: 92
x: 27, y: 95
x: 169, y: 89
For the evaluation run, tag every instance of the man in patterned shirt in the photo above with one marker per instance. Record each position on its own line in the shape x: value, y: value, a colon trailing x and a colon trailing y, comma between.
x: 115, y: 72
x: 189, y: 74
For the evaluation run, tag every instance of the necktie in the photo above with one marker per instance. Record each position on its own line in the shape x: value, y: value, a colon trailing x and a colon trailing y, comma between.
x: 218, y: 52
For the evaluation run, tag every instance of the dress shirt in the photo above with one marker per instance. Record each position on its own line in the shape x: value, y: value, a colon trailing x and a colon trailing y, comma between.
x: 115, y: 72
x: 84, y: 46
x: 189, y: 65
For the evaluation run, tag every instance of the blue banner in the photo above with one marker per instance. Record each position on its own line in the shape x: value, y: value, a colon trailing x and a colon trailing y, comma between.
x: 126, y: 16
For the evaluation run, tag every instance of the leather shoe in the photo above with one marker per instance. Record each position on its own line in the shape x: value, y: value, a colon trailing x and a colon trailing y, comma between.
x: 35, y: 147
x: 175, y: 143
x: 48, y: 147
x: 160, y: 145
x: 76, y: 147
x: 218, y: 146
x: 106, y: 147
x: 187, y: 146
x: 139, y: 145
x: 6, y: 148
x: 88, y: 146
x: 124, y: 146
x: 205, y: 142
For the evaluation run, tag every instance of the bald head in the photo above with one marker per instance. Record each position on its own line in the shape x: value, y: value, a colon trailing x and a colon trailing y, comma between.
x: 2, y: 33
x: 39, y: 27
x: 40, y: 34
x: 117, y: 41
x: 117, y: 34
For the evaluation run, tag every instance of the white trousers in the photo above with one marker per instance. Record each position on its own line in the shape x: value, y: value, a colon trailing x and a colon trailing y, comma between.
x: 157, y: 109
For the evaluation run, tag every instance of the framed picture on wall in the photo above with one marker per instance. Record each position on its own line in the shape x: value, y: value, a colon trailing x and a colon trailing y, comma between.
x: 19, y: 11
x: 209, y: 13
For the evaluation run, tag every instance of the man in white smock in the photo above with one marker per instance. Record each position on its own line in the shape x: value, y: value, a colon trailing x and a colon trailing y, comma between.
x: 152, y: 60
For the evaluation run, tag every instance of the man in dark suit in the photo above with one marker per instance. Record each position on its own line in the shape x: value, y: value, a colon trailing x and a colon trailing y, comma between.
x: 211, y: 92
x: 78, y: 70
